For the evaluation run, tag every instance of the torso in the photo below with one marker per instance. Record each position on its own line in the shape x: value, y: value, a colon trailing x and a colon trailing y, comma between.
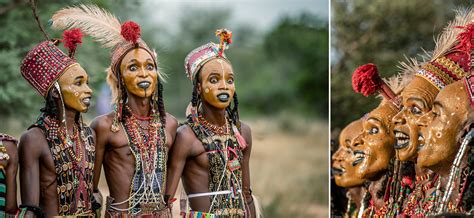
x: 208, y: 171
x: 61, y: 198
x: 120, y: 169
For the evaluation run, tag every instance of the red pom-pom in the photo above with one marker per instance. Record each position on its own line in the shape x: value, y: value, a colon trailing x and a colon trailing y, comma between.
x: 130, y: 31
x: 366, y: 79
x: 407, y: 181
x: 465, y: 41
x: 71, y: 38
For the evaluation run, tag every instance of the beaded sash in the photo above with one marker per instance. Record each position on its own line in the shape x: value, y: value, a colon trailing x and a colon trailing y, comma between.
x: 3, y: 176
x: 149, y: 179
x: 224, y: 155
x: 73, y: 175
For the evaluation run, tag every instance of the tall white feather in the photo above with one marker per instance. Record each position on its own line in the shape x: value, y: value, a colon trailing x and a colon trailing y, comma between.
x: 92, y: 20
x: 447, y: 39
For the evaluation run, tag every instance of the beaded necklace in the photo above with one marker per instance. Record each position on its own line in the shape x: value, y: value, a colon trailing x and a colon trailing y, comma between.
x: 148, y: 145
x: 3, y: 175
x: 225, y: 155
x: 74, y: 162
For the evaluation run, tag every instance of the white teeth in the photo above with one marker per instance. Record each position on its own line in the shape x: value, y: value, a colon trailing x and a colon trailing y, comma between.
x: 86, y: 100
x: 359, y: 156
x: 401, y: 135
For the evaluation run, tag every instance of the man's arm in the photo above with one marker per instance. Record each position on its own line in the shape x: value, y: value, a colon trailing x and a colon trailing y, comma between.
x: 29, y: 152
x: 101, y: 129
x: 11, y: 170
x: 247, y: 134
x: 179, y: 152
x: 171, y: 127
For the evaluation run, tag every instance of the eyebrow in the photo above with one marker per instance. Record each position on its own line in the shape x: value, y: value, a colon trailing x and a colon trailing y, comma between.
x: 79, y: 77
x: 374, y: 119
x: 418, y: 100
x: 437, y: 103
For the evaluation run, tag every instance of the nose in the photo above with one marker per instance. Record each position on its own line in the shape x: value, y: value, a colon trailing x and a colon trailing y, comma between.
x: 88, y: 90
x: 223, y: 85
x: 399, y: 119
x: 357, y: 141
x: 141, y: 72
x: 337, y: 156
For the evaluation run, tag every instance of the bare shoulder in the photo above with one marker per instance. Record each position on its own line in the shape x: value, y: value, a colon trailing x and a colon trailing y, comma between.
x: 185, y: 134
x: 102, y: 122
x: 246, y: 132
x: 171, y: 122
x: 33, y: 141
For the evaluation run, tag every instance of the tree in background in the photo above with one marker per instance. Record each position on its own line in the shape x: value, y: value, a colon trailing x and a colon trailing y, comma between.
x: 380, y: 32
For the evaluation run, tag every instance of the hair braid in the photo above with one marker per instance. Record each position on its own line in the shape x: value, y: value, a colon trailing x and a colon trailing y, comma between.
x: 161, y: 104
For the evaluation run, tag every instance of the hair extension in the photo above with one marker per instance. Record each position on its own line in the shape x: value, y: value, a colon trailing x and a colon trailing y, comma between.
x: 161, y: 104
x: 50, y: 108
x: 235, y: 111
x: 195, y: 96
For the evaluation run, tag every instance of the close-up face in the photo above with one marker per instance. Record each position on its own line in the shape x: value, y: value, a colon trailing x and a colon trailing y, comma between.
x: 139, y: 73
x: 343, y: 170
x: 374, y: 147
x: 217, y: 83
x: 74, y: 88
x: 442, y: 127
x: 417, y: 100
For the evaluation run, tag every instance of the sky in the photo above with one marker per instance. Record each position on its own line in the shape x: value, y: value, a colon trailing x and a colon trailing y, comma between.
x: 262, y: 14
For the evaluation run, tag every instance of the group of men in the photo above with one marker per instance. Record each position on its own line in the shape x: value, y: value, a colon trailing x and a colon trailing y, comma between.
x: 412, y: 155
x: 141, y: 147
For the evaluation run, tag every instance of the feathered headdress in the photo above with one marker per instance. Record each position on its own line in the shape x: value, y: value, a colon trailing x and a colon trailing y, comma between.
x: 451, y: 58
x: 106, y: 29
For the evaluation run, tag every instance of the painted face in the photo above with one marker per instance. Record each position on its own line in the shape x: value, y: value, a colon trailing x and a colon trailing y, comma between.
x: 442, y: 127
x: 417, y: 100
x: 74, y: 89
x: 374, y: 147
x: 343, y: 170
x: 217, y: 83
x: 139, y: 73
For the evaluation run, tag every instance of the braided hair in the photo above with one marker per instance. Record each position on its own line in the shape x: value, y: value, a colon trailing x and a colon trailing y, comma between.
x: 468, y: 197
x: 51, y: 107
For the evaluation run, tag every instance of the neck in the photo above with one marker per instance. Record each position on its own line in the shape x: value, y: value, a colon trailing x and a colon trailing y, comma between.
x: 70, y: 118
x: 356, y: 194
x: 139, y: 106
x: 213, y: 115
x: 421, y: 171
x: 377, y: 186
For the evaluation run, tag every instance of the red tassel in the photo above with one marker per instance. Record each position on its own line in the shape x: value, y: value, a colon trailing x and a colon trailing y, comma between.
x: 366, y: 79
x: 71, y: 38
x: 130, y: 31
x: 225, y: 37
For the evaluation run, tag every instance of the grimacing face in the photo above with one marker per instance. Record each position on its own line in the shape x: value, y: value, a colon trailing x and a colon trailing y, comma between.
x: 442, y: 127
x: 139, y: 73
x: 74, y: 88
x: 217, y: 83
x: 374, y: 147
x: 417, y: 100
x: 343, y: 170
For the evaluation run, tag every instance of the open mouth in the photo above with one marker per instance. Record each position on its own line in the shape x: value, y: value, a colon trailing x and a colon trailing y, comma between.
x: 86, y: 101
x: 337, y: 171
x: 223, y: 97
x: 421, y: 141
x: 144, y: 84
x: 401, y: 140
x: 359, y: 157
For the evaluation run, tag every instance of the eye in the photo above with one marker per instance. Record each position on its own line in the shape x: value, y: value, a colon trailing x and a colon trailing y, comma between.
x: 373, y: 130
x: 150, y: 67
x: 213, y: 80
x: 415, y: 110
x: 78, y: 83
x: 133, y: 67
x: 230, y: 81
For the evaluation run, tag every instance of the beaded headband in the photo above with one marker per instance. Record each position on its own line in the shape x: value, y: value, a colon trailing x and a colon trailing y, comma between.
x: 201, y: 55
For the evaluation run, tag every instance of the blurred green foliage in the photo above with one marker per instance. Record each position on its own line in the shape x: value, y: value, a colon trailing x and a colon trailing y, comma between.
x: 283, y: 68
x: 380, y: 32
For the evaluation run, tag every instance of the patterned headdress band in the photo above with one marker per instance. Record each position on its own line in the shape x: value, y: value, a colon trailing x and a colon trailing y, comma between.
x: 201, y: 55
x: 451, y: 59
x: 43, y: 65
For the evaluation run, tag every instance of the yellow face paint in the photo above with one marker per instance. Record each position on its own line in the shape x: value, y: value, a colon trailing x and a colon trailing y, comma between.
x: 139, y: 73
x: 217, y: 81
x: 74, y: 89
